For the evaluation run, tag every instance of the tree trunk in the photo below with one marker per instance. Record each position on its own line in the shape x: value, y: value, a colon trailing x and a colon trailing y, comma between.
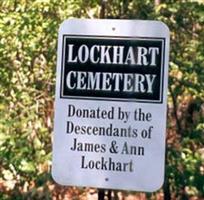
x: 103, y: 9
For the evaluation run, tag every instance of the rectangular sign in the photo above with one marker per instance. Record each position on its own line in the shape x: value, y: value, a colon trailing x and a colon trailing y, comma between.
x: 110, y: 104
x: 97, y: 68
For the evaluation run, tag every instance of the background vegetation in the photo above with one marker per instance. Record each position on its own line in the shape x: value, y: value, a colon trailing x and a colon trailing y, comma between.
x: 28, y: 37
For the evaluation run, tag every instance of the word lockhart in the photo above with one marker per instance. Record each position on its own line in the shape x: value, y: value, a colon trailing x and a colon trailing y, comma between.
x: 107, y: 164
x: 107, y: 54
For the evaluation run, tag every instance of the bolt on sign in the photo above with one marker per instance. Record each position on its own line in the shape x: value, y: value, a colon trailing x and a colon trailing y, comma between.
x: 110, y: 104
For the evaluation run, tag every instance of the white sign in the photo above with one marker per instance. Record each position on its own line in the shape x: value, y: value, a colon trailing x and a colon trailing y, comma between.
x: 110, y: 104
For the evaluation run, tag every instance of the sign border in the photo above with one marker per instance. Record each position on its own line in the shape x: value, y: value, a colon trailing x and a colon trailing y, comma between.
x: 160, y: 101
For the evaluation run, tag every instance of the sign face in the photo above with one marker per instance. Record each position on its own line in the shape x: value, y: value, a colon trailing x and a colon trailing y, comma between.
x: 110, y: 104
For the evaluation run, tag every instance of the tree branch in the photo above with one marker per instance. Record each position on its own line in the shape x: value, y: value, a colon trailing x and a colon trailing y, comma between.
x: 175, y: 108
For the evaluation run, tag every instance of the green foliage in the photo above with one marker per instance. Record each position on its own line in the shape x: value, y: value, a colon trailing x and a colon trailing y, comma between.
x: 28, y: 39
